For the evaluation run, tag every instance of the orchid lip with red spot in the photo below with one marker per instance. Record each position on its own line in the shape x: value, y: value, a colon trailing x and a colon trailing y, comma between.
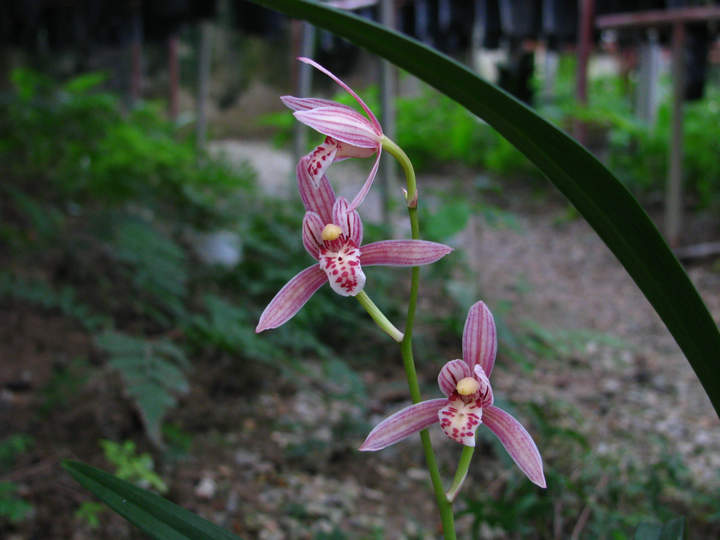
x: 348, y: 133
x: 340, y: 260
x: 468, y: 404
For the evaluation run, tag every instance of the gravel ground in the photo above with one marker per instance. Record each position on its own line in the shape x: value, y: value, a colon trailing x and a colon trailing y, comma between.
x: 558, y: 273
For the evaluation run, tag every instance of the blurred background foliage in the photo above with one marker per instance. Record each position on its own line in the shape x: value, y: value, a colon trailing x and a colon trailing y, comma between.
x: 106, y: 217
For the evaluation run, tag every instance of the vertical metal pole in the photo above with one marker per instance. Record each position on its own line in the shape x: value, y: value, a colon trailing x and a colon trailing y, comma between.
x: 173, y: 77
x: 673, y: 200
x: 304, y: 86
x: 203, y: 82
x: 647, y: 91
x: 388, y: 92
x: 587, y: 9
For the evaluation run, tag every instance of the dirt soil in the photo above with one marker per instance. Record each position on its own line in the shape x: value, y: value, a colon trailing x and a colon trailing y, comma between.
x: 276, y: 459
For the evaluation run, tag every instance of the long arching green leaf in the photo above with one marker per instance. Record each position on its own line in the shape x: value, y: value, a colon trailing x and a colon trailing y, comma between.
x: 601, y: 199
x: 156, y: 516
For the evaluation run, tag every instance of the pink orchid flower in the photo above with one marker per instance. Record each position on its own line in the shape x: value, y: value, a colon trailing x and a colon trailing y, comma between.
x: 468, y: 403
x: 348, y: 133
x: 332, y: 233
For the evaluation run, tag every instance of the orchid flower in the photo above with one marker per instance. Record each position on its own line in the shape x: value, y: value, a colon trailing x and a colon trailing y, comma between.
x: 332, y: 234
x: 348, y: 133
x: 468, y: 403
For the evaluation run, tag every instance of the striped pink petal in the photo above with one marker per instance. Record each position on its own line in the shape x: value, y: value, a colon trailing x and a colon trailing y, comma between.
x: 305, y: 104
x: 402, y: 424
x: 291, y: 298
x: 360, y: 197
x: 480, y: 338
x: 486, y: 394
x: 450, y: 374
x: 316, y: 198
x: 518, y: 443
x: 402, y: 253
x: 348, y: 220
x: 345, y: 125
x: 312, y: 228
x: 349, y: 90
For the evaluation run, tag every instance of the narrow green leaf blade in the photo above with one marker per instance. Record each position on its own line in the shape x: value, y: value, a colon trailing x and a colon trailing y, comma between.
x: 156, y: 516
x: 597, y: 195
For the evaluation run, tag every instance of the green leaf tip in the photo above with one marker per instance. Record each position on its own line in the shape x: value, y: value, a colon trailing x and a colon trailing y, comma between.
x: 153, y: 514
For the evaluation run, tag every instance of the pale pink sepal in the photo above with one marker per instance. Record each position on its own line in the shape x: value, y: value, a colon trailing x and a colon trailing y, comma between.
x: 349, y: 90
x: 348, y: 220
x: 452, y: 372
x: 364, y: 190
x: 518, y: 443
x: 305, y: 104
x: 480, y: 338
x: 291, y: 298
x: 312, y: 228
x: 346, y: 125
x: 402, y: 424
x: 318, y: 198
x: 403, y: 253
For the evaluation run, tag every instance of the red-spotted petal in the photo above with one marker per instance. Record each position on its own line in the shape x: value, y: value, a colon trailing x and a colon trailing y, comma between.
x: 320, y: 159
x: 345, y: 125
x: 403, y: 253
x: 450, y: 374
x: 305, y: 104
x: 360, y: 197
x: 312, y: 228
x: 348, y: 220
x: 316, y: 197
x: 480, y: 338
x: 460, y: 420
x: 518, y: 443
x: 402, y: 424
x: 291, y: 298
x: 343, y: 269
x: 349, y: 90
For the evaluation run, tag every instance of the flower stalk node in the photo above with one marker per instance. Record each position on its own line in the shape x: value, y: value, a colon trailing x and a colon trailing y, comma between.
x: 412, y: 203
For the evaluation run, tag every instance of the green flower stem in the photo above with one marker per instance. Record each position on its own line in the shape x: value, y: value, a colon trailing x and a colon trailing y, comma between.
x: 411, y: 196
x: 444, y: 506
x: 379, y: 317
x: 461, y: 472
